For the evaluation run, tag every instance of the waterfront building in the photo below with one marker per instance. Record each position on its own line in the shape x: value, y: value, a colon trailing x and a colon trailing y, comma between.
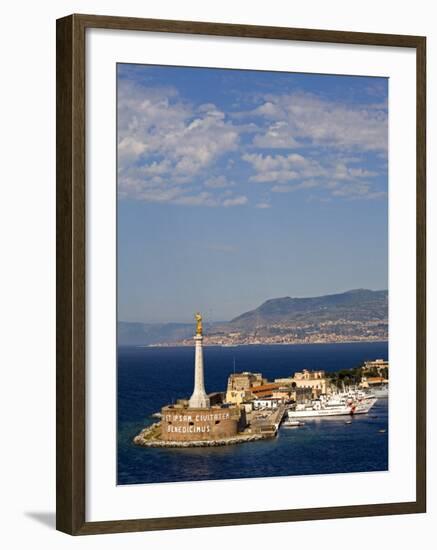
x: 294, y: 393
x: 237, y: 397
x: 244, y: 380
x: 372, y: 381
x: 302, y: 395
x: 266, y: 403
x: 246, y: 386
x: 284, y: 392
x: 314, y: 380
x: 265, y: 390
x: 375, y: 365
x: 284, y: 381
x: 240, y: 385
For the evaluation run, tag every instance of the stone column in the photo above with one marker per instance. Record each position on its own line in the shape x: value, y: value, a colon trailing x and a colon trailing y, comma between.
x: 199, y: 399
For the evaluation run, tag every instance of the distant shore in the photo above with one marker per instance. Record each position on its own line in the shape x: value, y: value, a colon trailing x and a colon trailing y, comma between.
x: 189, y: 344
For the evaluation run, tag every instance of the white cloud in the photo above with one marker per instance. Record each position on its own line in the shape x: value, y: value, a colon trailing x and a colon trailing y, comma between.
x: 343, y: 172
x: 129, y: 148
x: 307, y: 118
x: 168, y: 148
x: 293, y: 172
x: 152, y: 193
x: 296, y: 187
x: 200, y: 199
x: 282, y: 168
x: 360, y: 190
x: 160, y: 135
x: 277, y: 136
x: 235, y: 201
x: 268, y: 109
x: 218, y: 182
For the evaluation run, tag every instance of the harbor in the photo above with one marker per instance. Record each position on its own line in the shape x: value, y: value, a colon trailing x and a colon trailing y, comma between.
x: 148, y: 378
x: 253, y: 407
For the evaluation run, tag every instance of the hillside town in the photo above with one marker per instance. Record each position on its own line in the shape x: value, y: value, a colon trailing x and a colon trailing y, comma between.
x: 329, y: 332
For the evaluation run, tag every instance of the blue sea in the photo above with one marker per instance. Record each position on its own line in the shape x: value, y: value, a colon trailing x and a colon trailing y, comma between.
x: 149, y: 378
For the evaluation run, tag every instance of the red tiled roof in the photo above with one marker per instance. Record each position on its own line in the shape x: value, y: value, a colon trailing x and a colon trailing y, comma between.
x: 265, y: 387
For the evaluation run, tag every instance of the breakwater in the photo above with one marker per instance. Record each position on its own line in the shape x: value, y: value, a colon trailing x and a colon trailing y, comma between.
x: 150, y: 437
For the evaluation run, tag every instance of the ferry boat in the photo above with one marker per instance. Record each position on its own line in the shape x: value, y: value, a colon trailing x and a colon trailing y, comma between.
x: 338, y: 404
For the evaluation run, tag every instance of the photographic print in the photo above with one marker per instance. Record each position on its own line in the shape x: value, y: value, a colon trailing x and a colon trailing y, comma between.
x: 252, y: 274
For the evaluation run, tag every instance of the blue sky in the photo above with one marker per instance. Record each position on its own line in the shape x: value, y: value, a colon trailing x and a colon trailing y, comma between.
x: 239, y: 186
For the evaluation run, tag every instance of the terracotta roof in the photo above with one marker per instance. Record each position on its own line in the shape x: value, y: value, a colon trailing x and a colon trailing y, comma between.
x: 264, y: 388
x: 375, y: 379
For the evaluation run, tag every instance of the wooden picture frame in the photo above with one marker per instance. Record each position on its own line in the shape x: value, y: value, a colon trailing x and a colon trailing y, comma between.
x: 71, y: 258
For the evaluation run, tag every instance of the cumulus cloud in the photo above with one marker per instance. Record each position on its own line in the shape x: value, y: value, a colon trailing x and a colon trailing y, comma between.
x: 171, y: 150
x: 296, y: 187
x: 277, y: 136
x: 361, y: 190
x: 235, y: 201
x: 282, y: 168
x: 161, y: 135
x: 301, y: 118
x: 293, y: 172
x: 218, y: 182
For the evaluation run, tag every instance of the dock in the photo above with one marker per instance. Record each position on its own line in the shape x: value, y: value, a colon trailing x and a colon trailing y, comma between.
x: 263, y: 421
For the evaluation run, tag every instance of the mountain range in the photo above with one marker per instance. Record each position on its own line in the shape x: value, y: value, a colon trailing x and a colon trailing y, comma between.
x: 354, y: 305
x: 355, y: 314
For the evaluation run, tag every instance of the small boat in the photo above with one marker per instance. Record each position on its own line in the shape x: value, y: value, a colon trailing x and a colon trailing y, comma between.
x: 293, y: 423
x: 348, y: 422
x: 382, y: 431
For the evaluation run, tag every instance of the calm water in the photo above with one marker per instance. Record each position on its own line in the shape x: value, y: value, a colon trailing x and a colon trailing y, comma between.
x: 151, y: 377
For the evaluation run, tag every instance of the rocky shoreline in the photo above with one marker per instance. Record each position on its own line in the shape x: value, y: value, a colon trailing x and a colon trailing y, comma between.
x: 150, y: 437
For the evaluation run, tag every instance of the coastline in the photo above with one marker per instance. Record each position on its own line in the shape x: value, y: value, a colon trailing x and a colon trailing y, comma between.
x: 182, y: 345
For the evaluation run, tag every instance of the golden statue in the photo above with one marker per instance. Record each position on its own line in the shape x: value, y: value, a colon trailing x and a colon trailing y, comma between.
x: 198, y: 318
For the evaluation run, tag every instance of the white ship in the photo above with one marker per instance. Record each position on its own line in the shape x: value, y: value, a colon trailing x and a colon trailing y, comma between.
x: 338, y: 404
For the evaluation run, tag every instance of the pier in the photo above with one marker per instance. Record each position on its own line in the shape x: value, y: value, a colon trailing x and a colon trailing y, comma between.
x: 262, y: 421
